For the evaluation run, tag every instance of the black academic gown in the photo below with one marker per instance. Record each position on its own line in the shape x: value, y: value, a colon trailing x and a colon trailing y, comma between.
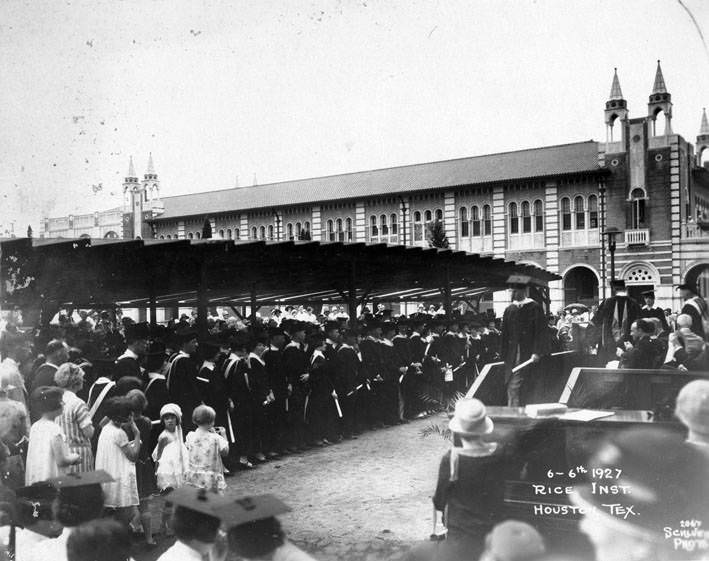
x: 612, y: 321
x: 692, y: 308
x: 182, y: 387
x: 127, y: 365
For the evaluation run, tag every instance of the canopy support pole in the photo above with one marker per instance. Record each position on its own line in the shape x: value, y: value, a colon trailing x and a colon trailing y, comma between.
x: 253, y: 302
x: 352, y: 294
x: 446, y: 290
x: 202, y: 300
x: 153, y: 310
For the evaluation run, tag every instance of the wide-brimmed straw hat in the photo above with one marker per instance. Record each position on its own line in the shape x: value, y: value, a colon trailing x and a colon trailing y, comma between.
x: 470, y: 418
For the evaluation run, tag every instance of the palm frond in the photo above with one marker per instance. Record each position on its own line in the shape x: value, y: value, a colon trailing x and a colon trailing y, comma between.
x: 437, y: 429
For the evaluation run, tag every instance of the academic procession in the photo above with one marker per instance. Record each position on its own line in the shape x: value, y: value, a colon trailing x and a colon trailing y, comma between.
x: 294, y: 347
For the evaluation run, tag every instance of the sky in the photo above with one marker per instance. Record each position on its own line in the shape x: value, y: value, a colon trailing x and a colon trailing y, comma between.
x: 225, y: 93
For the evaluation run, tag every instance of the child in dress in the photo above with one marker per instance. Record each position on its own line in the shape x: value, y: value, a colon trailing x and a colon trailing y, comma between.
x: 48, y: 454
x: 170, y: 455
x: 206, y: 447
x: 116, y: 455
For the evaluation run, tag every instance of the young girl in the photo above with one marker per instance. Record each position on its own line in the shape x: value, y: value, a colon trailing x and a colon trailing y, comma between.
x: 116, y: 455
x: 144, y: 467
x: 47, y: 455
x: 170, y: 454
x: 206, y: 447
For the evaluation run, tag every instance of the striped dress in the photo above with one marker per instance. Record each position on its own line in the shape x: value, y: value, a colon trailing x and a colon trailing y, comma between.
x: 75, y: 417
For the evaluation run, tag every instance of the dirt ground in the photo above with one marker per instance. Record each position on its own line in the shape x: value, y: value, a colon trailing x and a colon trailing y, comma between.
x: 362, y: 500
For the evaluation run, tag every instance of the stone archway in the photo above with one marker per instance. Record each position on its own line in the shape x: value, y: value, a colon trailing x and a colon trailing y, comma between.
x: 698, y: 276
x: 639, y: 277
x: 580, y: 285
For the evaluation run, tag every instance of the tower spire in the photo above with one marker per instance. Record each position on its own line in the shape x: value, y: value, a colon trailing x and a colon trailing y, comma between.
x: 131, y: 168
x: 659, y: 86
x: 704, y: 127
x: 616, y: 93
x: 151, y: 166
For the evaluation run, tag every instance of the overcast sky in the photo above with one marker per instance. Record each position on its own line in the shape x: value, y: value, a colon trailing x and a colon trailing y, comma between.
x: 292, y: 89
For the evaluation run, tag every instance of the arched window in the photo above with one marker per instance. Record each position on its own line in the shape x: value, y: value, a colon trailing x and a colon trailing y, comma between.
x: 340, y: 231
x: 439, y: 215
x: 198, y: 235
x: 514, y: 219
x: 298, y: 230
x: 464, y: 224
x: 373, y: 230
x: 262, y: 232
x: 237, y: 233
x: 330, y: 230
x: 638, y: 198
x: 579, y: 211
x: 348, y: 229
x: 427, y: 216
x: 383, y: 226
x: 475, y: 215
x: 270, y: 232
x: 526, y: 218
x: 538, y: 216
x: 487, y: 220
x: 228, y: 233
x: 221, y: 234
x: 289, y: 231
x: 254, y: 234
x: 169, y: 237
x: 393, y: 221
x: 190, y: 236
x: 162, y: 237
x: 565, y: 214
x: 592, y: 211
x: 306, y: 225
x: 418, y: 227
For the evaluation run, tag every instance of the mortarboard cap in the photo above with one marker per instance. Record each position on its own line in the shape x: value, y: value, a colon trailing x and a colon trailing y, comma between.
x: 519, y: 280
x: 617, y: 283
x: 687, y: 286
x: 250, y: 509
x: 388, y: 326
x: 275, y: 332
x: 198, y: 500
x: 330, y: 325
x: 80, y: 479
x: 137, y: 331
x: 210, y: 348
x: 351, y: 333
x: 648, y: 294
x: 184, y: 336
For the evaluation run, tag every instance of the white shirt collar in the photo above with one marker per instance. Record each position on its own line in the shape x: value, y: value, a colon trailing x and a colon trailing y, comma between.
x: 128, y: 354
x: 254, y: 355
x: 330, y: 342
x: 274, y: 348
x: 183, y: 353
x: 316, y: 354
x: 156, y: 376
x: 415, y: 334
x: 208, y: 364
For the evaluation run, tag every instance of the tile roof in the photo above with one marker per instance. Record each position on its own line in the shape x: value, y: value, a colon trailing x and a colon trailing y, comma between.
x: 522, y: 164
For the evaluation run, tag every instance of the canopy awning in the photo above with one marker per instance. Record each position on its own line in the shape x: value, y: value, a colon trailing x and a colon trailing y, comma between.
x: 168, y: 273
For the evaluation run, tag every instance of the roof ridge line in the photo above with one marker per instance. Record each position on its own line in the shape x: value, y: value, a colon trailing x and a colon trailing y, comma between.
x: 383, y: 169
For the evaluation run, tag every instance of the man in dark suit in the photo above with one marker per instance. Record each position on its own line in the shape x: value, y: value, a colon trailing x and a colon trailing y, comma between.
x: 207, y: 377
x: 650, y: 311
x: 128, y: 364
x: 643, y: 352
x: 56, y: 354
x: 372, y: 360
x: 523, y: 337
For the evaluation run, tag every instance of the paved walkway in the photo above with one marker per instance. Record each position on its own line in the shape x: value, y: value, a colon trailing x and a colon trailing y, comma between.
x: 360, y: 500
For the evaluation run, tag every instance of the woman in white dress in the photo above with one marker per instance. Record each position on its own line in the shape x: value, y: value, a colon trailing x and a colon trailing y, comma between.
x: 47, y: 454
x: 116, y: 455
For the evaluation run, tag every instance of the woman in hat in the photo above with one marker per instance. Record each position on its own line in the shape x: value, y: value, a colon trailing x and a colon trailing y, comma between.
x: 469, y: 488
x: 75, y: 420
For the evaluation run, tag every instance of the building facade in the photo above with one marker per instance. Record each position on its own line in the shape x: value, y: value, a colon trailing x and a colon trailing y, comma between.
x: 547, y: 206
